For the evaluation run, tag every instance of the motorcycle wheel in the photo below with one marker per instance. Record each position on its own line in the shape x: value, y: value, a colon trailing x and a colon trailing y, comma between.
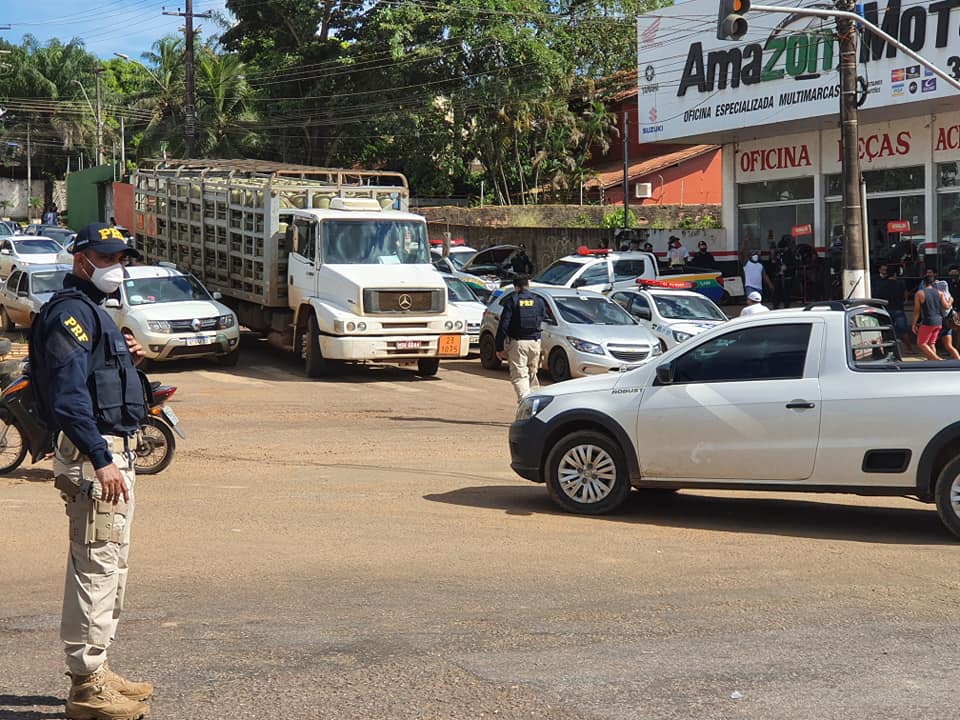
x: 13, y: 448
x: 155, y: 446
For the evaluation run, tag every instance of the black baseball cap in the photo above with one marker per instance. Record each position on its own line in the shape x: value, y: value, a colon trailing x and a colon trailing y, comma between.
x: 103, y: 238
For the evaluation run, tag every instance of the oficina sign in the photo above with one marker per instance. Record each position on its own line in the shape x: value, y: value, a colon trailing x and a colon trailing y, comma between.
x: 691, y: 83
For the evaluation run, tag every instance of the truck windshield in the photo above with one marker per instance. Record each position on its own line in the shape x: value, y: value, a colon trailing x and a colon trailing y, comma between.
x: 375, y: 242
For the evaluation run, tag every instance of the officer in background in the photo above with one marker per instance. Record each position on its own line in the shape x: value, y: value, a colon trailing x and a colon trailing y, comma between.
x: 88, y: 388
x: 518, y: 336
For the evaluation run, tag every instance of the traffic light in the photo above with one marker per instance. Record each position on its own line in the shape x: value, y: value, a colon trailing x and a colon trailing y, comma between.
x: 731, y: 23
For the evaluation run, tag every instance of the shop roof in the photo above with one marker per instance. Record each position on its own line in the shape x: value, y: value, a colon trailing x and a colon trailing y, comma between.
x: 610, y: 174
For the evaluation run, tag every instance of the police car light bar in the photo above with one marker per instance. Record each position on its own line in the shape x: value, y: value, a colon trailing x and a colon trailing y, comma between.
x: 670, y: 284
x: 585, y: 251
x: 457, y: 241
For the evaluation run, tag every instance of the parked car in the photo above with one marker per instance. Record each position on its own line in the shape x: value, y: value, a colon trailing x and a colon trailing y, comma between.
x: 493, y: 265
x: 585, y: 333
x: 26, y: 290
x: 461, y: 296
x: 61, y: 234
x: 458, y: 256
x: 22, y: 250
x: 172, y: 315
x: 9, y: 227
x: 672, y: 315
x: 603, y: 271
x: 805, y: 399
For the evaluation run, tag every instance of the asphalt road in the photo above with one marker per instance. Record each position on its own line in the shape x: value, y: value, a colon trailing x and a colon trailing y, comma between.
x: 358, y: 548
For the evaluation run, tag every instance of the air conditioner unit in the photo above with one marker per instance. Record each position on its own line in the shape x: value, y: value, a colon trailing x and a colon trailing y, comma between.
x: 643, y: 190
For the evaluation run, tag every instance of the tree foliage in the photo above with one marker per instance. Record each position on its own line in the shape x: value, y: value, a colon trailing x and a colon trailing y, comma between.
x: 451, y: 92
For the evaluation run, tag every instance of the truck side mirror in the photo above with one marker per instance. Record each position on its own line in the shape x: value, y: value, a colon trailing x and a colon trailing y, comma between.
x: 665, y: 374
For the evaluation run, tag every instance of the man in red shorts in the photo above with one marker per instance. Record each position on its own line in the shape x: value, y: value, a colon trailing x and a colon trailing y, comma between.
x: 928, y: 308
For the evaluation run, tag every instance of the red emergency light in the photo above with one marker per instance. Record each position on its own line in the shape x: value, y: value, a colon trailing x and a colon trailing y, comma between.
x: 585, y: 251
x: 669, y: 284
x: 456, y: 241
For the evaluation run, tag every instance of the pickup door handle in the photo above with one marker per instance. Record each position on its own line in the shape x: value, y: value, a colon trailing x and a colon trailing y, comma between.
x: 800, y: 405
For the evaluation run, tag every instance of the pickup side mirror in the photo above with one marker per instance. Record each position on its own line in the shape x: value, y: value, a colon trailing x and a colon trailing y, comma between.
x: 579, y: 282
x: 21, y: 293
x: 112, y: 303
x: 217, y: 295
x: 642, y: 313
x: 665, y: 374
x: 5, y: 251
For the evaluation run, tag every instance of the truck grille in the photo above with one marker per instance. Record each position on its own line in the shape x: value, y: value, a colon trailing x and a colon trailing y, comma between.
x: 388, y: 302
x: 473, y: 328
x: 629, y: 353
x: 179, y: 326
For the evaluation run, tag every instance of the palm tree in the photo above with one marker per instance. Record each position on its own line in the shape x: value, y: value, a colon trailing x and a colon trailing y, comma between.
x: 224, y: 109
x: 164, y: 96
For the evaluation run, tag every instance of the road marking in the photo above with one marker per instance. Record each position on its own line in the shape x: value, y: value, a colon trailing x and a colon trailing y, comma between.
x: 401, y: 388
x: 461, y: 387
x: 227, y: 378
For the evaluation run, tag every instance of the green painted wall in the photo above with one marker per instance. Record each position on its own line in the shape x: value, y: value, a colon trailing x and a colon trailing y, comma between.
x: 85, y: 195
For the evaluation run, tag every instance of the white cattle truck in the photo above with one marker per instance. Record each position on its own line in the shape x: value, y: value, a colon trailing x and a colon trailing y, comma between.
x: 327, y: 263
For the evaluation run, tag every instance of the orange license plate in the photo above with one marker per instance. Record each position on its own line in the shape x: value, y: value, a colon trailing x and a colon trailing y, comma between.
x: 449, y: 345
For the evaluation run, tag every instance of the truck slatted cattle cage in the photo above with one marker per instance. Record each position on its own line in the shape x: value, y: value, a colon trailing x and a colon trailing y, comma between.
x: 219, y: 218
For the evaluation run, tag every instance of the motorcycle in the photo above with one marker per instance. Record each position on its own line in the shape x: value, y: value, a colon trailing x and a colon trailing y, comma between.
x: 154, y: 440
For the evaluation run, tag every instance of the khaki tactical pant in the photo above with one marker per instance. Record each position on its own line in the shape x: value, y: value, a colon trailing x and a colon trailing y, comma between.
x: 97, y: 562
x: 523, y: 357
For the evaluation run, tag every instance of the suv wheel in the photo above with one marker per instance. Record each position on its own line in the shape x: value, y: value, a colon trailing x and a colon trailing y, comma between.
x: 948, y: 496
x: 587, y: 473
x: 488, y: 352
x: 559, y: 365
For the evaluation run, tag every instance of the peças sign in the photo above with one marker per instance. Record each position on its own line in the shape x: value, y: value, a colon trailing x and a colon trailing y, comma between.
x: 785, y: 67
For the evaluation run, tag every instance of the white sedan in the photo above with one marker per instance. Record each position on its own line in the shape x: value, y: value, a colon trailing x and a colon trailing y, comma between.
x: 172, y: 315
x: 22, y: 250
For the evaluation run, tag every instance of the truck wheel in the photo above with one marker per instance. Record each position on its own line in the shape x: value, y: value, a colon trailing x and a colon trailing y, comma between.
x: 427, y: 367
x: 947, y: 494
x: 488, y: 352
x: 587, y: 473
x: 559, y: 365
x: 313, y: 359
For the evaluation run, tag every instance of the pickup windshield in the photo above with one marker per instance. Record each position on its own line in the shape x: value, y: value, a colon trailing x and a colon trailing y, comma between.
x: 685, y: 307
x: 559, y: 273
x: 592, y: 311
x: 375, y: 242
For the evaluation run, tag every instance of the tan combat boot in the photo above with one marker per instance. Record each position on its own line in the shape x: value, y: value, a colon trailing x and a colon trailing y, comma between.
x: 129, y: 689
x: 92, y: 699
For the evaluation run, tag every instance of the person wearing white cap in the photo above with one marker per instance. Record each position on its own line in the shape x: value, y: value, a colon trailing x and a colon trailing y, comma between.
x: 753, y: 304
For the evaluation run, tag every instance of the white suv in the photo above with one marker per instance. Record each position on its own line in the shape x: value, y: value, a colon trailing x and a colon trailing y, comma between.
x: 813, y: 399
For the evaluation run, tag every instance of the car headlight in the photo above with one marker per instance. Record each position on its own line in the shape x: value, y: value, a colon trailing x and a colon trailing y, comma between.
x: 160, y: 326
x: 656, y: 349
x: 681, y: 336
x: 584, y: 346
x: 225, y: 321
x: 531, y: 405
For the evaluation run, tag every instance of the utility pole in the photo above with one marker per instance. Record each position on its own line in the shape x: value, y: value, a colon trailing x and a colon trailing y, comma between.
x: 189, y: 108
x: 855, y: 281
x: 99, y: 114
x: 29, y: 172
x: 626, y: 170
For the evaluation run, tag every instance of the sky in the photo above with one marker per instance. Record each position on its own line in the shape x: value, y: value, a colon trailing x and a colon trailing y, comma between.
x: 105, y: 26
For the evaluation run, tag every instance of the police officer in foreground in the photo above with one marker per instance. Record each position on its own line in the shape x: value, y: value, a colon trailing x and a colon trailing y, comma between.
x: 88, y: 388
x: 518, y: 336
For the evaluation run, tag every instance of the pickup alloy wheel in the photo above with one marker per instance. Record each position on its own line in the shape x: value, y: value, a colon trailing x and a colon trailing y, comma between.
x: 587, y: 473
x: 948, y: 496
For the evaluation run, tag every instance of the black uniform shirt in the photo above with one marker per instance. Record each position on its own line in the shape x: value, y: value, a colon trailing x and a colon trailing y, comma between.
x: 522, y: 316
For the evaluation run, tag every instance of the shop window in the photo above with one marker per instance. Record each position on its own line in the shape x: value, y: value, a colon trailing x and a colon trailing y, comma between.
x: 892, y: 180
x: 760, y: 226
x: 776, y: 190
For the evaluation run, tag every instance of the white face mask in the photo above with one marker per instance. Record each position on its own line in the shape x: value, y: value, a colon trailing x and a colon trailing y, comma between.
x: 106, y: 279
x: 755, y: 258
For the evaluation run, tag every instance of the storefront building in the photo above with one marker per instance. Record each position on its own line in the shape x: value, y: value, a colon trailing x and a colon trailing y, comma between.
x: 772, y: 100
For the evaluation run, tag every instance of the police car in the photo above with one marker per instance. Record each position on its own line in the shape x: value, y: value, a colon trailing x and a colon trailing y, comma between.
x: 172, y: 315
x: 670, y: 310
x: 463, y: 300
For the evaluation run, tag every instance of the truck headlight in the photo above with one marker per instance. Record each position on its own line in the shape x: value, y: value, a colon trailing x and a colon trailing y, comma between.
x: 681, y: 336
x: 225, y: 321
x: 531, y: 405
x: 160, y: 326
x: 584, y: 346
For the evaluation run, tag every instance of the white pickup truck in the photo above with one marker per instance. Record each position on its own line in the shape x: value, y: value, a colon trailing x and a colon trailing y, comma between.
x: 814, y: 398
x: 603, y: 271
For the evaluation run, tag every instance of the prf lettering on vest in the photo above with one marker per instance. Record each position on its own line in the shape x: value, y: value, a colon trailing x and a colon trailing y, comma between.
x: 526, y: 303
x: 76, y: 328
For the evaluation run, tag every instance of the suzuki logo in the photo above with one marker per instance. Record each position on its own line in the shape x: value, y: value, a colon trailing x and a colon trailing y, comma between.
x: 195, y: 324
x: 405, y: 302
